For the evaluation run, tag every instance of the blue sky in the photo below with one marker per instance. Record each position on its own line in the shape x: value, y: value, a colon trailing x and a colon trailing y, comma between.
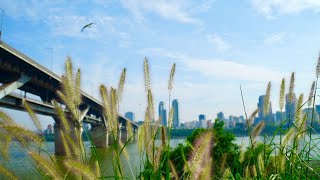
x: 217, y: 45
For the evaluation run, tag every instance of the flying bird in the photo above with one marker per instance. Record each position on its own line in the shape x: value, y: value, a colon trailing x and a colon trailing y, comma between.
x: 87, y: 26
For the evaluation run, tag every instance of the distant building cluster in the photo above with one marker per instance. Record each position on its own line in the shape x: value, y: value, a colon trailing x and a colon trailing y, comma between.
x: 232, y: 121
x: 163, y: 114
x: 286, y: 117
x: 202, y: 122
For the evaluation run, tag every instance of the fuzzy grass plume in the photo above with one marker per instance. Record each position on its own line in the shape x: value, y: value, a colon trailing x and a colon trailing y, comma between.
x: 7, y: 173
x: 171, y: 77
x: 78, y: 168
x: 282, y: 94
x: 33, y: 116
x: 266, y: 106
x: 299, y: 111
x: 121, y: 84
x: 252, y: 116
x: 311, y: 93
x: 257, y: 129
x: 146, y: 73
x: 46, y: 166
x: 288, y: 136
x: 201, y: 154
x: 163, y: 137
x: 291, y: 87
x: 318, y: 67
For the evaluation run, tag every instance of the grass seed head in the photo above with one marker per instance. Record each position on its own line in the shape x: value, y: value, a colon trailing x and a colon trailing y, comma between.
x: 291, y: 87
x: 311, y: 94
x: 146, y: 73
x: 282, y: 94
x: 171, y: 77
x: 266, y: 103
x: 7, y: 173
x: 318, y: 67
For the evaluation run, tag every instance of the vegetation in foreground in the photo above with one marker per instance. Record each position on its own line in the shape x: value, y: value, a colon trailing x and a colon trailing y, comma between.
x: 206, y: 154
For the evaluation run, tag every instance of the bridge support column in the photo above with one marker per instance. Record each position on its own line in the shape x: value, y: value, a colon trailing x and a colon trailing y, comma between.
x: 123, y: 135
x: 100, y: 137
x: 135, y: 133
x: 59, y: 146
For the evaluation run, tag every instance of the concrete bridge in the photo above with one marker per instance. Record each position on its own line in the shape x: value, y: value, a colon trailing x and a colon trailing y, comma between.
x: 18, y: 71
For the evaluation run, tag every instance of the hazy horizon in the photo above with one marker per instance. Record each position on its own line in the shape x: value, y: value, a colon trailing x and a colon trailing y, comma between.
x: 217, y: 46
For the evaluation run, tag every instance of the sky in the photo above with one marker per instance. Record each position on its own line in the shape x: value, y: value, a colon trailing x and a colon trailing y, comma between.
x: 217, y: 46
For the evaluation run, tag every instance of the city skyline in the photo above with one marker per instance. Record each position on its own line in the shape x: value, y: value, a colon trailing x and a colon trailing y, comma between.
x: 231, y: 121
x: 216, y: 45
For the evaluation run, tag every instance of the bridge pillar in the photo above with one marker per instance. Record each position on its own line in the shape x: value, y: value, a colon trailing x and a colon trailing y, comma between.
x: 135, y: 132
x: 59, y: 146
x: 100, y: 137
x: 123, y: 135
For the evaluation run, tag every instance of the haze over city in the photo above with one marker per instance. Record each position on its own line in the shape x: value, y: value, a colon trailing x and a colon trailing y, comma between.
x: 217, y: 45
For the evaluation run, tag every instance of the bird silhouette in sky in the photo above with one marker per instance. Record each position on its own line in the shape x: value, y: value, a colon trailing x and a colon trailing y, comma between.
x: 87, y: 26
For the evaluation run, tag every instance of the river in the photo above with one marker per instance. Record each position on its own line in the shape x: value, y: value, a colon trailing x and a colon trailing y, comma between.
x: 21, y: 165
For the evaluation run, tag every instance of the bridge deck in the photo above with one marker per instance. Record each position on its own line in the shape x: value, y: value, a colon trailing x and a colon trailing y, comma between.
x: 44, y: 83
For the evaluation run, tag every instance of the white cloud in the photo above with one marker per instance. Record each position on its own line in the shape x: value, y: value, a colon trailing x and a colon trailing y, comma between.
x: 224, y: 69
x: 272, y: 8
x: 177, y: 10
x: 231, y: 70
x: 219, y: 43
x: 275, y: 38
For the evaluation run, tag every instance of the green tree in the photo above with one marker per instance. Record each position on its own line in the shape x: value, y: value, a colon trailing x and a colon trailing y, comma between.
x: 224, y: 151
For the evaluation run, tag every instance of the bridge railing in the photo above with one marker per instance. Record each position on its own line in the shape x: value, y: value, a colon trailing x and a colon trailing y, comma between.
x: 30, y: 98
x: 90, y: 116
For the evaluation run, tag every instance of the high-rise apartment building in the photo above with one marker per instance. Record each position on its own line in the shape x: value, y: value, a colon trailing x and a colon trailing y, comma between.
x: 175, y: 106
x: 291, y: 106
x: 129, y: 115
x: 268, y: 117
x: 163, y: 114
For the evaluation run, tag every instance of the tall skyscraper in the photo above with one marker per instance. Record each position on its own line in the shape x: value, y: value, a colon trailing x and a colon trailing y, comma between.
x: 268, y: 117
x: 291, y: 106
x: 163, y: 114
x: 129, y: 115
x: 280, y: 117
x: 220, y: 116
x: 175, y: 107
x: 202, y: 119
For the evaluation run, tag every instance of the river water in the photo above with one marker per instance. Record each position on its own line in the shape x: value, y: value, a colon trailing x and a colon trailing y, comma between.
x: 21, y: 165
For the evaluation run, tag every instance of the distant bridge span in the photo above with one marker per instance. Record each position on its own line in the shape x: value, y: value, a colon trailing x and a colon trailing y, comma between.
x: 18, y: 71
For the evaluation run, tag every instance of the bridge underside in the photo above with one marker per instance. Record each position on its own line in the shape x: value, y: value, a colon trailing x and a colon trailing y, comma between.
x: 17, y: 71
